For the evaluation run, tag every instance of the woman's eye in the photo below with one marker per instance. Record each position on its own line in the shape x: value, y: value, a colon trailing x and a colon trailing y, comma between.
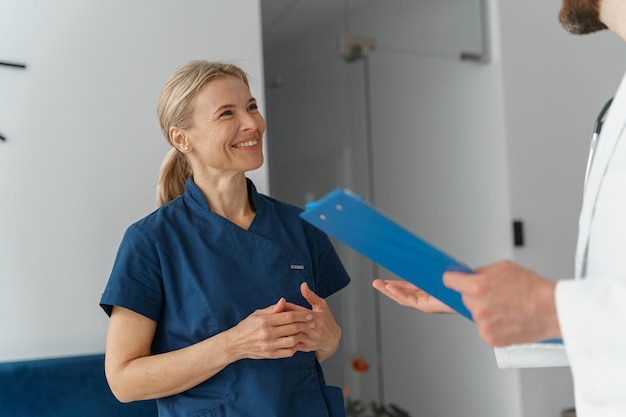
x: 253, y: 106
x: 227, y: 113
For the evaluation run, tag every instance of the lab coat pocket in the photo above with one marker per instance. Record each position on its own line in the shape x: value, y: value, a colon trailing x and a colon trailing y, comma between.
x: 334, y: 401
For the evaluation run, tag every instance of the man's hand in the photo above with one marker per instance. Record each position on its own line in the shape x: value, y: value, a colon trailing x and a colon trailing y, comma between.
x: 509, y: 304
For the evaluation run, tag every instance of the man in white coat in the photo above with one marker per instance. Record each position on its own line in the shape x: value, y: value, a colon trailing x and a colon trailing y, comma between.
x: 514, y: 308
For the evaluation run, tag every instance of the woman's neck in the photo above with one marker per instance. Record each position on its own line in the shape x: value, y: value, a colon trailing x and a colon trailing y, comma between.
x: 228, y: 196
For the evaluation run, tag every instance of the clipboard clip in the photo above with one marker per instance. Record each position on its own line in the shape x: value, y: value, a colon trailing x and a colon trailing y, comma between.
x: 314, y: 204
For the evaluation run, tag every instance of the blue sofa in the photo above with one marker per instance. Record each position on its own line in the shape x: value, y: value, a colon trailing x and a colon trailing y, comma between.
x: 63, y: 387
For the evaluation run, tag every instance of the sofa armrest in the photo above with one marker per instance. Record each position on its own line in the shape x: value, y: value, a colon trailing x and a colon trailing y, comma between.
x: 63, y: 387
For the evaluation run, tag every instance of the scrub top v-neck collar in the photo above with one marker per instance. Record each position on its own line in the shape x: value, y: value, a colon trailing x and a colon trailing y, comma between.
x: 200, y: 203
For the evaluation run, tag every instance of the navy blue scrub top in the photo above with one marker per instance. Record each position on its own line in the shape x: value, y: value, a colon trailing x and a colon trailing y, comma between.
x: 197, y: 274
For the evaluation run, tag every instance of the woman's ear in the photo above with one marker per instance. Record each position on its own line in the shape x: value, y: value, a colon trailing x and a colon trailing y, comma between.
x: 178, y: 138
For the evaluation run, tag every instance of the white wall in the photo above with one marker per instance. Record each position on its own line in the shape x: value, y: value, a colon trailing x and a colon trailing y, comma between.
x: 84, y: 147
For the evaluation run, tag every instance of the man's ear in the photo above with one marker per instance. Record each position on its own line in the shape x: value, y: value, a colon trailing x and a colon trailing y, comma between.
x: 178, y: 138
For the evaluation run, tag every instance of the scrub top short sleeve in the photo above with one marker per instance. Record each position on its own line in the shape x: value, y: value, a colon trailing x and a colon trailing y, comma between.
x: 135, y: 280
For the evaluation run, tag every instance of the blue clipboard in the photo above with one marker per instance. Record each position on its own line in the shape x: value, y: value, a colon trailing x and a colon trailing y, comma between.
x: 349, y: 219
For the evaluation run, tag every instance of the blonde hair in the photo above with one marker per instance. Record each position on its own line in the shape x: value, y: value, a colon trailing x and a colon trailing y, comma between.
x: 175, y: 108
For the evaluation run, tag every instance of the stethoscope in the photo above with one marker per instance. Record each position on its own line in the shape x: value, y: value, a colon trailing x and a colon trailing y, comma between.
x: 597, y: 127
x: 592, y: 151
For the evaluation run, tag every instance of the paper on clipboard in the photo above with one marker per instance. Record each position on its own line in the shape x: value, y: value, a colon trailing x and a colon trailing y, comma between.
x: 349, y: 219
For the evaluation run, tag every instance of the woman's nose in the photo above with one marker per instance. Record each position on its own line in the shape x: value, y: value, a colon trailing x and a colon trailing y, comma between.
x: 251, y: 121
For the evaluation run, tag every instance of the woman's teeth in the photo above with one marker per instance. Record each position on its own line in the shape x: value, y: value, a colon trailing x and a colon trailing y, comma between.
x: 246, y: 144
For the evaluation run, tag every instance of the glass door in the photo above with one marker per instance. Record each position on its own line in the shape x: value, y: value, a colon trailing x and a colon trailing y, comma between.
x: 318, y: 140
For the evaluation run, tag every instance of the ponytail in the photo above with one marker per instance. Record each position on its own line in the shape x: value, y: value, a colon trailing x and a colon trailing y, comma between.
x: 175, y: 170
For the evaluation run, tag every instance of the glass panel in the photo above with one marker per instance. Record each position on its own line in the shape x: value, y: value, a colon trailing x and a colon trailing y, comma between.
x: 318, y: 129
x: 317, y: 141
x: 447, y: 28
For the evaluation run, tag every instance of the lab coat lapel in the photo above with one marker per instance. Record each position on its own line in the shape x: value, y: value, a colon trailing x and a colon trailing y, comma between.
x: 609, y: 137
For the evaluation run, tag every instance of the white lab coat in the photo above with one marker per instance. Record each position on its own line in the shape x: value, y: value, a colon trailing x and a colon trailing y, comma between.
x: 592, y: 308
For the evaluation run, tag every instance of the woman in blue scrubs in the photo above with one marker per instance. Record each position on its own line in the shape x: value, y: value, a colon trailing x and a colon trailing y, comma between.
x: 216, y: 299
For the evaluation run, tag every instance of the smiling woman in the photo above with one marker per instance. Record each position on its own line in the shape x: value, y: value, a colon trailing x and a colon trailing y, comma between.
x: 216, y: 299
x: 221, y: 135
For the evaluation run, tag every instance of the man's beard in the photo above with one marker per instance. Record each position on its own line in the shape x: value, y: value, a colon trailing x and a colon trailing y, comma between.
x: 581, y: 16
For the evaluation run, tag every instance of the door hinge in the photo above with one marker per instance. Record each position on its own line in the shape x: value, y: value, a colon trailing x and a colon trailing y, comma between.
x: 352, y: 48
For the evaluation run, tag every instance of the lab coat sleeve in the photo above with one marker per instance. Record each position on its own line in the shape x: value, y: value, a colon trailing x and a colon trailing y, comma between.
x: 592, y: 314
x: 532, y: 355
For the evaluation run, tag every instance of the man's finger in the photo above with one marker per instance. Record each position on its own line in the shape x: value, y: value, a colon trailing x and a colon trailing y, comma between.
x: 459, y: 281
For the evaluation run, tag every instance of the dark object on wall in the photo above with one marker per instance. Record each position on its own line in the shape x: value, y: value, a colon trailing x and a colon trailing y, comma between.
x: 571, y: 412
x: 12, y: 64
x: 518, y: 233
x: 63, y: 387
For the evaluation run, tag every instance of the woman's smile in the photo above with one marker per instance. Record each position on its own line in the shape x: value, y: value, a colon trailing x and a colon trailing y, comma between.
x: 247, y: 144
